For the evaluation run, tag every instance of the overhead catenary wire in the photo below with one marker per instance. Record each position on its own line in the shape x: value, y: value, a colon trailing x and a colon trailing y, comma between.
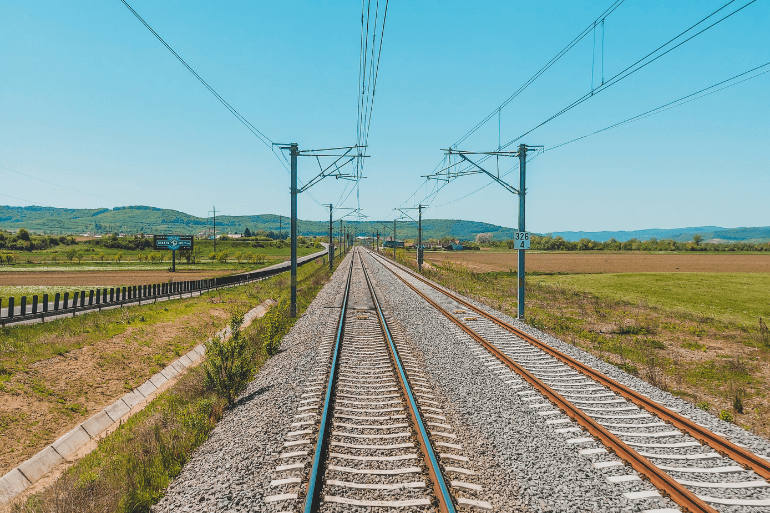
x: 56, y: 184
x: 254, y: 130
x: 637, y: 66
x: 541, y: 71
x: 702, y: 93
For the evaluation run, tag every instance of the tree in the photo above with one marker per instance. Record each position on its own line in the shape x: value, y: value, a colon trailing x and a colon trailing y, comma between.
x: 247, y: 232
x: 696, y: 239
x: 79, y: 256
x: 100, y: 257
x: 70, y: 254
x: 23, y: 234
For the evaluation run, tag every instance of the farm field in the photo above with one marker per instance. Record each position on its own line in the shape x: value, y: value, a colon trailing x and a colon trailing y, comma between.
x: 607, y: 262
x: 694, y: 331
x: 57, y: 374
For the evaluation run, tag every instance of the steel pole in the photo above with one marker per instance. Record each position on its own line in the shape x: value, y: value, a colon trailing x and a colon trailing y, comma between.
x: 419, y: 238
x: 394, y: 240
x: 522, y: 195
x: 331, y: 241
x: 294, y: 154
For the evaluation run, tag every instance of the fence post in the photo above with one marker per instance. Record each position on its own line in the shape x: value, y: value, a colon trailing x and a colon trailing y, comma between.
x: 82, y: 298
x: 10, y: 308
x: 66, y: 300
x: 23, y: 306
x: 34, y: 304
x: 45, y: 303
x: 91, y: 298
x: 56, y: 301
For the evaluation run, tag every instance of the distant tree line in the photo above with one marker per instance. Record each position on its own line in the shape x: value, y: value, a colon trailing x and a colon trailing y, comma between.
x: 25, y: 241
x: 558, y: 243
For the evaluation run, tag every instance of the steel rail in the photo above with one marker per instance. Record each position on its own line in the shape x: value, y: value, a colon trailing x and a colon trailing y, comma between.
x: 721, y: 445
x: 440, y: 489
x: 665, y: 483
x: 313, y: 498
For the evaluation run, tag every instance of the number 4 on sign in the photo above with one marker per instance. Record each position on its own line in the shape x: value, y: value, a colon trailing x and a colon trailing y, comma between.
x: 521, y: 240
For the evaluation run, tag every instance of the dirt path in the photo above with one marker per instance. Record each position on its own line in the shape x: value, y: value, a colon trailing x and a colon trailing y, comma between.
x: 608, y: 262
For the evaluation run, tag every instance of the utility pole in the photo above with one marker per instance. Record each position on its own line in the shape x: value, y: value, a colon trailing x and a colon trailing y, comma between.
x: 419, y: 238
x: 378, y: 241
x: 331, y: 240
x: 342, y: 248
x: 394, y: 240
x: 215, y: 228
x: 522, y: 237
x: 294, y: 148
x: 280, y: 228
x: 522, y: 194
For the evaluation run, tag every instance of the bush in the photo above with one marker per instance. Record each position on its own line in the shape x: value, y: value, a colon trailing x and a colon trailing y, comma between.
x: 275, y: 324
x: 726, y: 416
x: 230, y: 363
x: 223, y: 256
x: 703, y: 405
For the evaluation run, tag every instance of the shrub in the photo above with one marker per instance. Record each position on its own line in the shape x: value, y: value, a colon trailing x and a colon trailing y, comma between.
x: 737, y: 404
x: 726, y: 416
x: 703, y: 405
x: 230, y: 363
x: 275, y: 324
x: 223, y: 256
x: 764, y: 333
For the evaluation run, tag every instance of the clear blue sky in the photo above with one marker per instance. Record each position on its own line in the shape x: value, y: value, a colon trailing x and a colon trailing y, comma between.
x: 90, y: 100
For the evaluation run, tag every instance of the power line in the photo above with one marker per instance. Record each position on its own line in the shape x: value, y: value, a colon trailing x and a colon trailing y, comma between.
x: 633, y: 68
x: 57, y: 185
x: 542, y: 70
x: 706, y: 91
x: 254, y: 130
x: 630, y: 70
x: 676, y: 103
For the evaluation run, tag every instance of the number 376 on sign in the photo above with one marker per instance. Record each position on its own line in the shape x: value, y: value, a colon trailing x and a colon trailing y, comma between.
x: 521, y: 240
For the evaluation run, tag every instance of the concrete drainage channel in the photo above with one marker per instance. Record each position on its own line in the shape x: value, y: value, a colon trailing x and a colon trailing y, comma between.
x: 78, y: 442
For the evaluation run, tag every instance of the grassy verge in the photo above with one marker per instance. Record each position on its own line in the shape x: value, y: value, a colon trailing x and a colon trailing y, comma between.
x: 130, y: 469
x: 656, y: 327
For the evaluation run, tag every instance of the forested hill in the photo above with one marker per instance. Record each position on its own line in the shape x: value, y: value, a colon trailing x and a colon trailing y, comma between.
x: 141, y: 219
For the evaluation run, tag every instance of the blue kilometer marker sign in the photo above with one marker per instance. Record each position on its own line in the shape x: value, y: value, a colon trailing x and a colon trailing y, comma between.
x: 172, y: 242
x: 521, y: 240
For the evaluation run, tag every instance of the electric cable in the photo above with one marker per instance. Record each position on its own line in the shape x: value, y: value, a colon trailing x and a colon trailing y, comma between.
x: 542, y: 70
x: 254, y: 130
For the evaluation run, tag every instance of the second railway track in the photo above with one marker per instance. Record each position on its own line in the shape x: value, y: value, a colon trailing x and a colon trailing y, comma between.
x: 701, y: 471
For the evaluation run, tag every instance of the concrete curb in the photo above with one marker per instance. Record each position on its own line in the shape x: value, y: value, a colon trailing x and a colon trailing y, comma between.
x: 67, y: 447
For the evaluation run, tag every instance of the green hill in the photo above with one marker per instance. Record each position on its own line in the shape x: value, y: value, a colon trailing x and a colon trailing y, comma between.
x: 142, y: 219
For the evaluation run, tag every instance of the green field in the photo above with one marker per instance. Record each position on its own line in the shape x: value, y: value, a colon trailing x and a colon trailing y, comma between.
x: 740, y: 297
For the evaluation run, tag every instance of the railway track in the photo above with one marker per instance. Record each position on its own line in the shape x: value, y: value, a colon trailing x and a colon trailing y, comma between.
x: 614, y: 425
x: 368, y: 432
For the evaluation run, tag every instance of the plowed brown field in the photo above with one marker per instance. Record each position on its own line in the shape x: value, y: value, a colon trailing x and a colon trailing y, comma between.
x: 603, y: 262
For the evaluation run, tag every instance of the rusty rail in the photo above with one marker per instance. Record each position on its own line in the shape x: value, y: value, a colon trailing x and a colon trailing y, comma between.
x: 661, y: 480
x: 725, y: 447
